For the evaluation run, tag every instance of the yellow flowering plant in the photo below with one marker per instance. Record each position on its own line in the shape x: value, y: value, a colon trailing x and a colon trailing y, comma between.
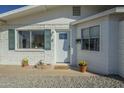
x: 25, y: 61
x: 82, y: 63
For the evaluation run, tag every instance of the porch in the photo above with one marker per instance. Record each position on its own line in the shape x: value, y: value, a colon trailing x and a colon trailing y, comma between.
x: 60, y: 70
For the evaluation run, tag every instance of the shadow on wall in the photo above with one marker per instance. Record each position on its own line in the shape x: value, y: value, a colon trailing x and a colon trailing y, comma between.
x: 66, y: 47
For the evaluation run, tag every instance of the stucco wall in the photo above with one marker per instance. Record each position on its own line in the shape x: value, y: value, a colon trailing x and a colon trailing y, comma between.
x: 113, y: 44
x: 121, y: 48
x: 73, y: 51
x: 14, y: 57
x: 97, y: 61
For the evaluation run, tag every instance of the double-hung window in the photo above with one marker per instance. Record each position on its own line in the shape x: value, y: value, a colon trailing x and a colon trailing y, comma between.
x: 91, y: 38
x: 30, y: 39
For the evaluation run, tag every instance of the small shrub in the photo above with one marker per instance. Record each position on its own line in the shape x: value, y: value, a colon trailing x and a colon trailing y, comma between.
x: 25, y: 61
x: 82, y: 63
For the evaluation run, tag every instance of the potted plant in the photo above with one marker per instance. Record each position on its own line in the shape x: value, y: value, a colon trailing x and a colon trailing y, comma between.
x: 25, y: 62
x: 83, y: 66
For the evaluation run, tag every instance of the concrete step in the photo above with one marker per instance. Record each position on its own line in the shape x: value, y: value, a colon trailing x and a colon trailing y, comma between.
x: 53, y: 66
x: 44, y: 66
x: 61, y: 66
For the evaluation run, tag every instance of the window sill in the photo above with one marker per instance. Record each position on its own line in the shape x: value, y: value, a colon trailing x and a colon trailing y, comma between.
x: 30, y: 50
x: 76, y: 15
x: 89, y: 51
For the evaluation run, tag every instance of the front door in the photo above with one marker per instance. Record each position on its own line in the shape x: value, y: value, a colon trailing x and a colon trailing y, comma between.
x: 62, y: 47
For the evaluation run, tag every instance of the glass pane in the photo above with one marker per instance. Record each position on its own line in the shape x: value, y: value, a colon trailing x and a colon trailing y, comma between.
x: 97, y: 44
x: 85, y: 33
x: 94, y: 32
x: 37, y: 39
x: 62, y: 35
x: 94, y: 44
x: 85, y: 44
x: 24, y: 39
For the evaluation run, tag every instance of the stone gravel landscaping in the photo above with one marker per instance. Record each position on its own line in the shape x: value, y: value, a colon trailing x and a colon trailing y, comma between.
x: 60, y: 82
x: 31, y: 78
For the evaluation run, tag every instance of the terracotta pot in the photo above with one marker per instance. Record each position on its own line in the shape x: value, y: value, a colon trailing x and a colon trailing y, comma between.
x: 24, y: 64
x: 83, y: 68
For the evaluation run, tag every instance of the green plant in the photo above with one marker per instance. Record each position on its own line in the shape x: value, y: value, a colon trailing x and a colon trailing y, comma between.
x: 25, y: 61
x: 82, y: 63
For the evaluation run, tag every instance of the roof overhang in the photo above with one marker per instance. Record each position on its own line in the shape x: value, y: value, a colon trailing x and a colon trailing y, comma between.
x: 26, y: 10
x: 115, y: 10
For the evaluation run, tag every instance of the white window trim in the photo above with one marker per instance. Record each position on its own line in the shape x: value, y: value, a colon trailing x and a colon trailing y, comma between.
x: 25, y: 50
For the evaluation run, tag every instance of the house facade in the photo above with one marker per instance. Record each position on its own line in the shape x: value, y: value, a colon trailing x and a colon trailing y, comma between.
x: 64, y: 34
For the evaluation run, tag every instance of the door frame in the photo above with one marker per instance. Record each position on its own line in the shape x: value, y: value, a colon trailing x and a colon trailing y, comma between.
x: 55, y: 52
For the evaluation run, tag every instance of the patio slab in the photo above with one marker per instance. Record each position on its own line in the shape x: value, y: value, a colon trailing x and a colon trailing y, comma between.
x: 18, y: 70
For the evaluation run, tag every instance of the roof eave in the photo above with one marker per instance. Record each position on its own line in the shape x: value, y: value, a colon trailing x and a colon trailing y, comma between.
x: 107, y: 12
x: 17, y: 10
x: 24, y: 11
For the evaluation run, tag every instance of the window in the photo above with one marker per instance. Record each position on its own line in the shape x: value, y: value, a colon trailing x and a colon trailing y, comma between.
x: 91, y: 38
x: 76, y: 11
x: 85, y: 39
x: 63, y: 35
x: 37, y: 39
x: 31, y: 39
x: 24, y: 39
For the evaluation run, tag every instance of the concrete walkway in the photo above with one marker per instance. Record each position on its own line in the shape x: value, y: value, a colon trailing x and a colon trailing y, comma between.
x: 18, y: 70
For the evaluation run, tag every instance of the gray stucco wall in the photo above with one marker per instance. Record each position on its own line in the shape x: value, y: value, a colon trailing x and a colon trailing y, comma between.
x: 73, y: 52
x: 110, y: 58
x: 97, y: 61
x: 113, y: 44
x: 121, y: 48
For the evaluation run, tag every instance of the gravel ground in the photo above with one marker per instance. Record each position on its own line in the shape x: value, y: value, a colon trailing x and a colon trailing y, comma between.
x: 61, y: 81
x: 28, y: 78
